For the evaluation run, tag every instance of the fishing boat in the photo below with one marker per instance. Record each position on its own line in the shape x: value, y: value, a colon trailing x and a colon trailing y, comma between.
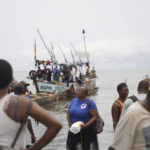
x: 65, y: 87
x: 45, y: 86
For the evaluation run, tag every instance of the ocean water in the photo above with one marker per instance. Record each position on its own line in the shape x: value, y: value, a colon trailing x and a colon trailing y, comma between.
x: 107, y: 82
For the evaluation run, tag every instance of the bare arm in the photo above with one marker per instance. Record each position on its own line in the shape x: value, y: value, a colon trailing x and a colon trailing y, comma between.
x: 69, y: 119
x: 31, y: 131
x: 94, y: 115
x: 115, y: 114
x: 52, y: 124
x: 39, y: 114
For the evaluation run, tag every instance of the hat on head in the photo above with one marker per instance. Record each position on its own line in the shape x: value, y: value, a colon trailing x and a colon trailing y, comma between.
x: 24, y: 83
x: 19, y: 89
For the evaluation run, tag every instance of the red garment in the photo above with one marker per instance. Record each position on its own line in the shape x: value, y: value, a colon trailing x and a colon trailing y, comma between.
x: 48, y: 62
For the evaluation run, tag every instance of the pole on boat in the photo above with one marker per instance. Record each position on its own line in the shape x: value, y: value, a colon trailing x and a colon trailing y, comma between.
x: 35, y: 52
x: 48, y: 50
x: 63, y: 55
x: 75, y: 50
x: 35, y: 49
x: 83, y: 31
x: 72, y: 56
x: 53, y: 53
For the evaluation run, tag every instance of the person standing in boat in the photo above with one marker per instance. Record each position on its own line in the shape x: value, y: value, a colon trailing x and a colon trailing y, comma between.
x: 13, y: 116
x: 39, y: 73
x: 80, y: 110
x: 79, y: 81
x: 49, y: 74
x: 117, y: 106
x: 88, y: 72
x: 93, y: 73
x: 45, y: 73
x: 57, y: 74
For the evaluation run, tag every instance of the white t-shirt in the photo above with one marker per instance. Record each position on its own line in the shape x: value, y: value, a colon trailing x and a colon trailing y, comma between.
x: 133, y: 129
x: 9, y: 128
x: 129, y: 101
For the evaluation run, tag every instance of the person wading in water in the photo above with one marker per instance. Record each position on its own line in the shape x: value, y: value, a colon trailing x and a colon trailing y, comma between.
x: 117, y: 106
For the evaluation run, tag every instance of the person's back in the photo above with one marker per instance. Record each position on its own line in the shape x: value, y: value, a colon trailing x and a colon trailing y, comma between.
x: 8, y: 111
x: 49, y: 74
x: 45, y: 70
x: 57, y: 71
x: 142, y: 91
x: 45, y: 73
x: 9, y: 128
x: 39, y: 73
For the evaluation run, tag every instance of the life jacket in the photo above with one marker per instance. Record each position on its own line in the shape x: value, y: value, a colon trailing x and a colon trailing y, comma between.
x: 121, y: 104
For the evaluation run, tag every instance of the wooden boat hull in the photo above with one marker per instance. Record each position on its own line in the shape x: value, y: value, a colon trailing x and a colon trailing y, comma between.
x: 43, y: 86
x: 45, y: 98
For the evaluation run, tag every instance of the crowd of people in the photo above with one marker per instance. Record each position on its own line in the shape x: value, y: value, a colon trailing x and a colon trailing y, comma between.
x: 63, y: 73
x: 130, y: 116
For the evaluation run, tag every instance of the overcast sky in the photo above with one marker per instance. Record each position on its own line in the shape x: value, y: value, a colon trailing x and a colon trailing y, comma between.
x: 117, y: 31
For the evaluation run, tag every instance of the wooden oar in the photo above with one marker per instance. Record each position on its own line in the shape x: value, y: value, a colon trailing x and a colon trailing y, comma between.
x: 63, y: 55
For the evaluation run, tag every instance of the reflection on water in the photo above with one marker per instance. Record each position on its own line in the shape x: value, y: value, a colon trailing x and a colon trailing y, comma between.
x: 57, y: 109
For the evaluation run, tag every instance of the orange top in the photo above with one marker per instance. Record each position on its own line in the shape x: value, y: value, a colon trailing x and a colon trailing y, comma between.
x: 121, y: 103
